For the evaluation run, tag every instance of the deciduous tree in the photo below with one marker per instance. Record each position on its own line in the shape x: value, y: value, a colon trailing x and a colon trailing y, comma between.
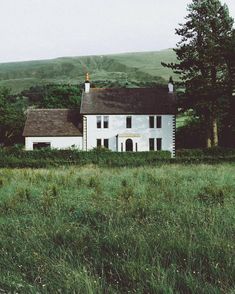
x: 12, y: 118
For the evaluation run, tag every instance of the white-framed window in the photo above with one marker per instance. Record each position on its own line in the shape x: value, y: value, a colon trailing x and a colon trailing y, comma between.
x: 102, y: 143
x: 41, y: 145
x: 151, y: 121
x: 159, y: 144
x: 128, y: 122
x: 98, y: 121
x: 106, y: 122
x: 106, y: 143
x: 158, y: 122
x: 98, y: 142
x: 151, y: 144
x: 155, y: 121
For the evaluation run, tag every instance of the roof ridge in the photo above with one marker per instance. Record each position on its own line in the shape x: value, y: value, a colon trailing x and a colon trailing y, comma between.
x: 136, y: 88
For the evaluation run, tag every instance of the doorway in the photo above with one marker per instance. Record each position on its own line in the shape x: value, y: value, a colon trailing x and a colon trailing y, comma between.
x: 129, y: 145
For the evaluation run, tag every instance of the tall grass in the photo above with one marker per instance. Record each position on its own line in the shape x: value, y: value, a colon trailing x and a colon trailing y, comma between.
x: 122, y: 230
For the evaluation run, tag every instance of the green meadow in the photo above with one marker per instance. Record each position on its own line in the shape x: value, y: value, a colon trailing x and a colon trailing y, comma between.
x: 91, y: 229
x: 131, y: 67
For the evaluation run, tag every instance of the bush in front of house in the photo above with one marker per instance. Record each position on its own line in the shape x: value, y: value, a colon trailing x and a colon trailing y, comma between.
x: 16, y: 157
x: 206, y: 152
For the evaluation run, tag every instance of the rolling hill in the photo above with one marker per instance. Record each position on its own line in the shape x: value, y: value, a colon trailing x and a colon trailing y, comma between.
x: 144, y: 66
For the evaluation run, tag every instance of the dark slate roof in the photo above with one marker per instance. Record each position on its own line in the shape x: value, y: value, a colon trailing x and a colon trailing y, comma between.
x: 128, y: 101
x: 53, y: 123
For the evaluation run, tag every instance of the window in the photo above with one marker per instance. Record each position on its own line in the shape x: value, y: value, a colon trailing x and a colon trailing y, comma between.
x: 136, y: 147
x: 106, y: 122
x: 98, y: 143
x: 151, y: 122
x: 41, y: 145
x: 159, y: 122
x: 98, y: 122
x: 106, y: 143
x: 122, y: 147
x: 151, y: 144
x: 128, y: 122
x: 159, y: 144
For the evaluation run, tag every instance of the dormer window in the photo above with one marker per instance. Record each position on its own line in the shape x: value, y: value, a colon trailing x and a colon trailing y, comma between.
x: 128, y: 122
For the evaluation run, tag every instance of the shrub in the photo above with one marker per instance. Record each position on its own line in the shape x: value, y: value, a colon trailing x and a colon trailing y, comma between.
x: 212, y: 152
x: 13, y: 157
x: 17, y: 158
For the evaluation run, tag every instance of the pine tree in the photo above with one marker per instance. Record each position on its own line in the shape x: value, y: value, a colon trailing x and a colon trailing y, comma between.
x: 228, y: 119
x: 201, y: 62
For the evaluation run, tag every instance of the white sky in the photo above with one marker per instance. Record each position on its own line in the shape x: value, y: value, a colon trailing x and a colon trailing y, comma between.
x: 42, y: 29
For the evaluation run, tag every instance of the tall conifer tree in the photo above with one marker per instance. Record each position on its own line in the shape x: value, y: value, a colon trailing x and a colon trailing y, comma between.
x: 228, y: 119
x: 201, y: 61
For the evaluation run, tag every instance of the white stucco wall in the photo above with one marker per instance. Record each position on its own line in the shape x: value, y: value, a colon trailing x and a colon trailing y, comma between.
x: 139, y: 133
x: 56, y: 142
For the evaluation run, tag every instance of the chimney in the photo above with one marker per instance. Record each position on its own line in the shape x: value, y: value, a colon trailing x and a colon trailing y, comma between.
x: 87, y: 83
x: 171, y: 85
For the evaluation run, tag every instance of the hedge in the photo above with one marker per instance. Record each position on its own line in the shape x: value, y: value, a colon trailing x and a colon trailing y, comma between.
x: 207, y: 152
x: 44, y: 158
x: 16, y: 158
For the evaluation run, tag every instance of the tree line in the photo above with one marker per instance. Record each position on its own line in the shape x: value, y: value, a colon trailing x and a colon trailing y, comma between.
x: 13, y: 107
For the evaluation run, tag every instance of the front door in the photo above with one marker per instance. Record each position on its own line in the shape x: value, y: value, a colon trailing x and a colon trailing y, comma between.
x: 129, y: 145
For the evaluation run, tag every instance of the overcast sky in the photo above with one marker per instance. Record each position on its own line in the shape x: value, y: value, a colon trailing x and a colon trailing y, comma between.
x: 42, y: 29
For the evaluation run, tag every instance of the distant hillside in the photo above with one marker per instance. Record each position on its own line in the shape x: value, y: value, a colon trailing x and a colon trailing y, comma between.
x: 144, y: 66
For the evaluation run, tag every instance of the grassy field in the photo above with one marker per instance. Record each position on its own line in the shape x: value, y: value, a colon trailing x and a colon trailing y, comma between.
x: 120, y: 67
x: 122, y: 230
x: 149, y: 62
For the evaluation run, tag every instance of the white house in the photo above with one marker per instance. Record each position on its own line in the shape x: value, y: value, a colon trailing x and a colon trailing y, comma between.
x: 55, y: 128
x: 126, y: 119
